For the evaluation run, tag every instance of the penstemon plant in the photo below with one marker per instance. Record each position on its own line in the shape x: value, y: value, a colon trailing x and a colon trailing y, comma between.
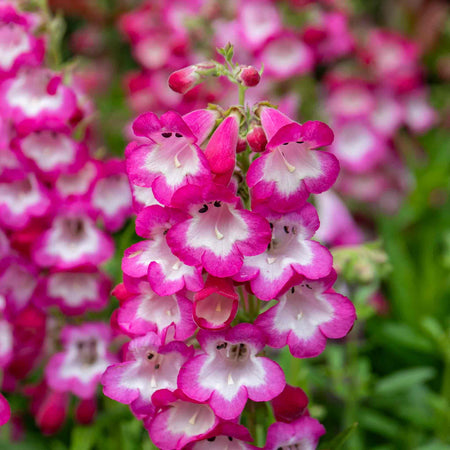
x: 227, y: 272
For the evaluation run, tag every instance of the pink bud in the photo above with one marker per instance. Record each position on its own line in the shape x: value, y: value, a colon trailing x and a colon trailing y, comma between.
x: 248, y: 76
x: 86, y: 410
x: 221, y: 150
x: 241, y: 145
x: 184, y: 79
x: 257, y: 139
x: 290, y: 404
x: 52, y: 413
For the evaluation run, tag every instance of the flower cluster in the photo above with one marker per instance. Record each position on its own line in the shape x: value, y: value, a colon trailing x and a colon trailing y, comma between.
x: 373, y: 81
x: 221, y: 202
x: 54, y: 194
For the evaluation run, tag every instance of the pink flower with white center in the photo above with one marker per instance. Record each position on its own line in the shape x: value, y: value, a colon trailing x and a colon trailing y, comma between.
x: 258, y: 21
x: 17, y: 45
x: 215, y: 306
x: 153, y: 258
x: 18, y: 280
x: 177, y: 13
x: 218, y: 234
x: 388, y: 115
x: 5, y: 410
x: 331, y: 37
x: 395, y: 59
x: 51, y: 150
x: 111, y: 195
x: 306, y: 315
x: 150, y: 365
x: 37, y: 94
x: 303, y: 434
x: 170, y: 160
x: 420, y: 116
x: 79, y: 367
x: 78, y: 184
x: 286, y: 55
x: 143, y: 311
x: 72, y: 240
x: 21, y: 200
x: 358, y: 146
x: 74, y: 292
x: 142, y: 197
x: 229, y: 372
x: 227, y: 436
x: 289, y: 170
x: 180, y: 421
x: 290, y: 251
x: 337, y: 226
x: 350, y: 99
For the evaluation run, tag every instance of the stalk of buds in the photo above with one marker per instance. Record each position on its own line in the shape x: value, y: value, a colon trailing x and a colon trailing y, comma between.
x: 225, y: 233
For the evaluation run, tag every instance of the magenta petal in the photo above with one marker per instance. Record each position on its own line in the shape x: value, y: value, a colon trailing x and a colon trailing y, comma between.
x: 146, y: 124
x: 201, y: 122
x: 272, y: 120
x: 318, y: 134
x: 5, y: 410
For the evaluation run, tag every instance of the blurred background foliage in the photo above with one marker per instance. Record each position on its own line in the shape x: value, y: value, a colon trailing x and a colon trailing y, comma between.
x: 387, y: 386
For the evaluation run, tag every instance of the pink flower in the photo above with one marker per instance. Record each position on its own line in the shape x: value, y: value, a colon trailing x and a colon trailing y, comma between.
x: 306, y: 315
x: 72, y: 240
x: 79, y: 367
x: 170, y: 160
x: 150, y: 365
x: 229, y: 372
x: 258, y: 21
x: 111, y: 195
x: 215, y: 306
x: 21, y: 200
x: 304, y: 433
x: 17, y: 45
x: 226, y: 435
x: 337, y: 226
x: 180, y: 421
x: 290, y: 252
x: 37, y: 94
x: 218, y: 234
x: 285, y: 55
x: 74, y: 292
x: 153, y: 258
x: 358, y: 146
x: 143, y: 311
x: 285, y: 174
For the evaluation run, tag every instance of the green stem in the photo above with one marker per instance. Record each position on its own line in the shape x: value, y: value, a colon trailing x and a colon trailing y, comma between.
x: 443, y: 424
x: 242, y: 95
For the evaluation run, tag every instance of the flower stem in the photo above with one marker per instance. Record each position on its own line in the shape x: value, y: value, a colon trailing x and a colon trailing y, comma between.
x: 242, y: 94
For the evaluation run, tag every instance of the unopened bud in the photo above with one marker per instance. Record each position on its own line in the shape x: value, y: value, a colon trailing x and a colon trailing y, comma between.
x: 185, y: 79
x: 248, y: 76
x: 257, y: 139
x: 241, y: 145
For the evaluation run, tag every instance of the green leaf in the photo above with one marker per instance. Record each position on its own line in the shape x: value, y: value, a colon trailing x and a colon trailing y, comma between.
x: 338, y: 441
x: 83, y: 438
x: 403, y: 380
